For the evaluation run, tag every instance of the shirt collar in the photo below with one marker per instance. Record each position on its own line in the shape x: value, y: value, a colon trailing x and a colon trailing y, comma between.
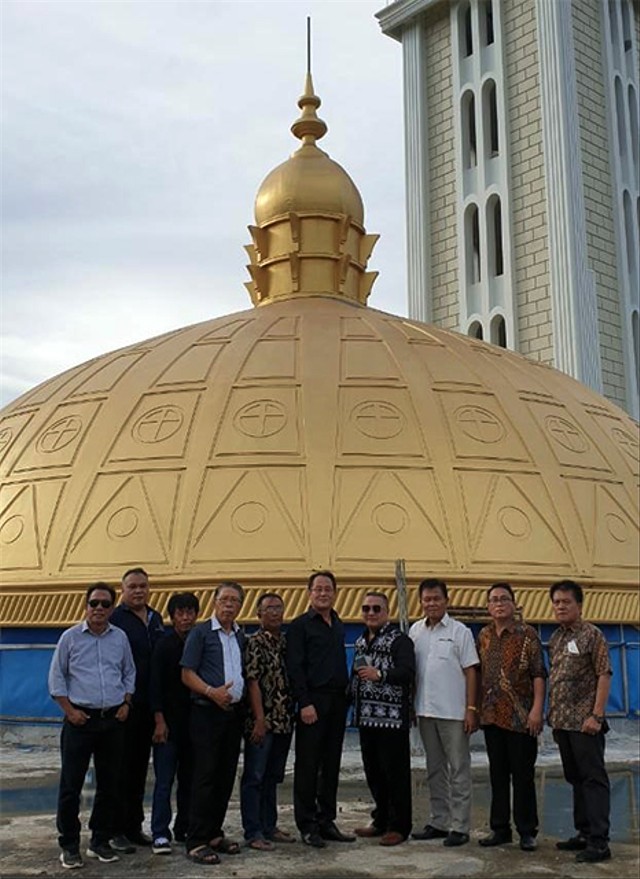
x: 443, y: 622
x: 215, y: 625
x: 511, y: 627
x: 85, y: 628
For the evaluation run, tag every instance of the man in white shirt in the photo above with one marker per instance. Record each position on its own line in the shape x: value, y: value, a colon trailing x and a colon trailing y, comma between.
x: 445, y: 705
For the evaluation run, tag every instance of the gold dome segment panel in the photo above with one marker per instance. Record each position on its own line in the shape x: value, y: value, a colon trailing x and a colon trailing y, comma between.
x: 309, y: 239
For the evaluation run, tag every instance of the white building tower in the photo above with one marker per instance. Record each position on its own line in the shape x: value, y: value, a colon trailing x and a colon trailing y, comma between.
x: 522, y: 168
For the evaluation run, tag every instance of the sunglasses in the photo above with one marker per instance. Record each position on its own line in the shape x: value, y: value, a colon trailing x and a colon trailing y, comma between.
x: 99, y: 602
x: 371, y: 608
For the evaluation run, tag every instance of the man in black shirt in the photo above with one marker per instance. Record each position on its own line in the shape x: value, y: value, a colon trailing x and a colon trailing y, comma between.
x: 317, y: 666
x: 143, y: 627
x: 170, y: 703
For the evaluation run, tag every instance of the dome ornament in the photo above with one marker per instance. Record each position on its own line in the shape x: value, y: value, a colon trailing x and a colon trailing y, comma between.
x: 309, y: 127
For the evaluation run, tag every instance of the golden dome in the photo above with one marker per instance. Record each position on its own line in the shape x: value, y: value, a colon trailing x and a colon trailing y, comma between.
x: 315, y: 432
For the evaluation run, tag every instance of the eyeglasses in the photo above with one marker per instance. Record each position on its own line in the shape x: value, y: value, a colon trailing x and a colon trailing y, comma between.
x: 501, y: 599
x: 228, y: 599
x: 99, y: 602
x: 371, y: 608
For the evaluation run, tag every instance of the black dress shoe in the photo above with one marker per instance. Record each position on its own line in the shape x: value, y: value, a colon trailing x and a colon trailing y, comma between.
x: 430, y: 832
x: 495, y: 838
x: 334, y: 834
x: 314, y: 840
x: 456, y: 838
x: 528, y: 843
x: 573, y: 844
x: 592, y: 855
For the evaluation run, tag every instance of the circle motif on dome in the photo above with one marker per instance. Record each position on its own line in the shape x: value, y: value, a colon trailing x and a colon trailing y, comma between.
x: 479, y: 424
x: 626, y: 442
x: 59, y: 434
x: 514, y: 521
x: 6, y: 436
x: 123, y: 523
x: 261, y: 418
x: 378, y: 419
x: 249, y: 518
x: 617, y: 527
x: 157, y: 424
x: 566, y: 434
x: 11, y: 530
x: 390, y: 518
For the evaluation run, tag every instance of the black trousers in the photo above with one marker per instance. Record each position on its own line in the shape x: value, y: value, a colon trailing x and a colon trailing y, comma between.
x: 318, y: 752
x: 386, y: 757
x: 138, y: 731
x: 215, y: 738
x: 512, y: 758
x: 582, y: 758
x: 102, y: 739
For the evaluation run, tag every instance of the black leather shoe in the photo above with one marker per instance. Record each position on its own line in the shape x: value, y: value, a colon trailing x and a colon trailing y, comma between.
x: 528, y: 843
x: 495, y: 838
x: 430, y: 832
x: 593, y: 855
x: 456, y: 838
x: 334, y: 834
x: 573, y: 844
x: 314, y: 840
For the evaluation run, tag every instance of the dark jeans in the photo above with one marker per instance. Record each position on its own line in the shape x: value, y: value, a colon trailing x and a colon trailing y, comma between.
x: 318, y: 748
x: 174, y: 757
x: 582, y: 758
x: 264, y: 767
x: 512, y: 760
x: 215, y: 738
x: 138, y: 730
x: 386, y: 757
x: 103, y: 739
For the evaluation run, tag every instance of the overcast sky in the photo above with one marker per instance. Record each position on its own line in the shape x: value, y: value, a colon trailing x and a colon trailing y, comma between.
x: 135, y: 136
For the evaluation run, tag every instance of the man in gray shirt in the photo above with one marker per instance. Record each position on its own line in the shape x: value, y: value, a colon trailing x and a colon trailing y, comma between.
x: 92, y: 678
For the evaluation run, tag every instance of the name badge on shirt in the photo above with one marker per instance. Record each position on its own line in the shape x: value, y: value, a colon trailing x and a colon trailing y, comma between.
x: 572, y: 647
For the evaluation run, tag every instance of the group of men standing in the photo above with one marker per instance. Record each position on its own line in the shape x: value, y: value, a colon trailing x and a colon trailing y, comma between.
x: 197, y: 692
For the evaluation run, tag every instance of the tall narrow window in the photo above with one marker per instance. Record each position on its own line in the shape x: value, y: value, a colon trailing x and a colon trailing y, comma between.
x: 486, y: 22
x: 613, y: 22
x: 494, y: 235
x: 633, y: 126
x: 631, y: 240
x: 475, y: 330
x: 636, y: 341
x: 626, y: 25
x: 469, y: 137
x: 472, y: 236
x: 622, y: 135
x: 466, y: 30
x: 490, y: 119
x: 498, y: 331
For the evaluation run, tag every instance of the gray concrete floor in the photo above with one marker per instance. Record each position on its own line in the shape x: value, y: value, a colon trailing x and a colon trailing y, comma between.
x: 28, y: 836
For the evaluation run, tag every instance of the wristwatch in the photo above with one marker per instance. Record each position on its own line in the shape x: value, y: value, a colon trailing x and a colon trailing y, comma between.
x: 598, y: 717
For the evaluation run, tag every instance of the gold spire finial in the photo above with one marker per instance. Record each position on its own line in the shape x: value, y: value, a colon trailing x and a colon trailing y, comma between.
x: 309, y: 128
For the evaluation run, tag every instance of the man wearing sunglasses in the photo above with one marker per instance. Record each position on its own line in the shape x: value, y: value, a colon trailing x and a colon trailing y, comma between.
x: 92, y: 678
x: 382, y: 691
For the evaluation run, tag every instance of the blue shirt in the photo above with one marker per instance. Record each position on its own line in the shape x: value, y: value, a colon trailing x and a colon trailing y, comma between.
x: 94, y: 671
x: 216, y: 656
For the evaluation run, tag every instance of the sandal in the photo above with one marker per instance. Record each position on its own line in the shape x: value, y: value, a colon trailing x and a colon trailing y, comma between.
x: 203, y: 854
x: 225, y: 846
x: 261, y: 845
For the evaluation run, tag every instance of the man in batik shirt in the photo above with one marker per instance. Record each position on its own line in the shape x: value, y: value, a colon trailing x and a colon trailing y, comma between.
x: 269, y: 727
x: 512, y: 687
x: 579, y: 683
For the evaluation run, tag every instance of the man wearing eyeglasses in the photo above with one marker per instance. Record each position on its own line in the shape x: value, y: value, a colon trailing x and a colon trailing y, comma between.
x: 382, y: 690
x: 212, y: 668
x: 92, y: 678
x: 317, y: 666
x: 512, y: 687
x: 268, y: 728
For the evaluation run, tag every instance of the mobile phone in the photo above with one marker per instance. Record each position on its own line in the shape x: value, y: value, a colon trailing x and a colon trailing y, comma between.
x: 360, y: 662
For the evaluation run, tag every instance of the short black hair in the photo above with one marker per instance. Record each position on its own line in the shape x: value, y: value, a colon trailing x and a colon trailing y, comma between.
x: 134, y: 571
x: 433, y: 583
x: 505, y: 586
x: 266, y: 595
x: 328, y: 574
x: 182, y: 601
x: 567, y: 586
x: 231, y: 584
x: 104, y: 587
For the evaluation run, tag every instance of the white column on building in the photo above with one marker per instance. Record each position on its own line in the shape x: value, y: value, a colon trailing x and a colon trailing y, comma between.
x: 573, y: 293
x: 417, y: 172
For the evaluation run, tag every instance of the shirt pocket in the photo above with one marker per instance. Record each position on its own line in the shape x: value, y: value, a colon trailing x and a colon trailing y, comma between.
x: 444, y: 649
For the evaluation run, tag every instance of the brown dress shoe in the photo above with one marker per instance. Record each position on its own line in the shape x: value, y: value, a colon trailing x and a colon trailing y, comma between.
x: 392, y: 837
x: 368, y: 832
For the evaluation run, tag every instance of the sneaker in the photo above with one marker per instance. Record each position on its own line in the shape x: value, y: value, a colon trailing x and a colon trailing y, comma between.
x: 71, y: 859
x: 161, y: 846
x: 140, y: 838
x: 102, y: 852
x: 123, y: 844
